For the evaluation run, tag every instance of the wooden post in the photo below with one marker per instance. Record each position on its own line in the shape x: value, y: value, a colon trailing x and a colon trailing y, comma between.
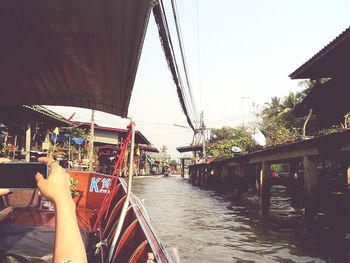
x: 182, y: 167
x: 14, y: 148
x: 310, y: 182
x: 28, y: 140
x: 199, y: 178
x: 193, y: 175
x: 241, y: 179
x: 265, y: 188
x: 198, y: 174
x: 91, y: 141
x: 293, y: 182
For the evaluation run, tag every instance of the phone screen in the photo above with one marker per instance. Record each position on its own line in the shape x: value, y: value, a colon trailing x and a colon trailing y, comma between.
x: 21, y: 175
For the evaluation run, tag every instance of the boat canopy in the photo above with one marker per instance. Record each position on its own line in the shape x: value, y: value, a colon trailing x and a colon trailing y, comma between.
x: 81, y: 53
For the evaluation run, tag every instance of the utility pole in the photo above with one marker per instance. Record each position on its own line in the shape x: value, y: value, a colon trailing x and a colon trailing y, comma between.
x: 242, y: 101
x: 91, y: 143
x: 202, y: 127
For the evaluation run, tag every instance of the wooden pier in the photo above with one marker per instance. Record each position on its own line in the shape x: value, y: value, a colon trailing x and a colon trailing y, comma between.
x: 307, y: 158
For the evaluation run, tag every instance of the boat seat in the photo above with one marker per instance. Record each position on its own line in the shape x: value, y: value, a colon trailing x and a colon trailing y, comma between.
x: 22, y: 243
x: 36, y: 217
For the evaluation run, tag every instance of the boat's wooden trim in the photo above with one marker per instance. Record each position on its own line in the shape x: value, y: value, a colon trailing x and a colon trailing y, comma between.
x: 114, y: 216
x: 129, y: 218
x: 129, y: 242
x: 119, y: 193
x: 140, y: 253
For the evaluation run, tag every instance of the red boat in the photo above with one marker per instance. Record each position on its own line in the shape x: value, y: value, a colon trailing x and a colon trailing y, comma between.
x: 81, y: 53
x: 28, y: 234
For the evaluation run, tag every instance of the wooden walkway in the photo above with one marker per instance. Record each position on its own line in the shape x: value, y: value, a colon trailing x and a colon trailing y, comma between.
x: 305, y: 157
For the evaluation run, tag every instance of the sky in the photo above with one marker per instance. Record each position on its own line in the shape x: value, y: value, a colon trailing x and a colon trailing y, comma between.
x: 239, y: 55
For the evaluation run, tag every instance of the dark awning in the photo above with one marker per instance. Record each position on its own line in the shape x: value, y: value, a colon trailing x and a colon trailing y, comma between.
x: 190, y: 148
x: 81, y: 53
x: 23, y: 115
x: 148, y: 148
x: 333, y: 60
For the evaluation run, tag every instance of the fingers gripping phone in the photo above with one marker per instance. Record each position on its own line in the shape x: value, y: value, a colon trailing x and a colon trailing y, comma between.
x: 21, y: 175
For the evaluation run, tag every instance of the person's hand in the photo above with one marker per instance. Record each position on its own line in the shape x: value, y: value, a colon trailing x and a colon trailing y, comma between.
x: 4, y: 191
x: 56, y: 187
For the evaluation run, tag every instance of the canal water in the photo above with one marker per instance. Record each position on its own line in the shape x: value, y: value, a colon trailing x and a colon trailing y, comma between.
x: 202, y: 225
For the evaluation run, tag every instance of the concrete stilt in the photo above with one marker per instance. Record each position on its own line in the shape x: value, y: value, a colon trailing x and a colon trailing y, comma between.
x: 310, y: 182
x: 265, y: 188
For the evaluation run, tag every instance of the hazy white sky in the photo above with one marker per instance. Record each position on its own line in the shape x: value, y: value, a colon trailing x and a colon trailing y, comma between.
x: 247, y: 50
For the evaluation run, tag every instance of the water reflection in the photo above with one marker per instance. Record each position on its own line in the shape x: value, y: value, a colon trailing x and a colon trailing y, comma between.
x: 206, y: 226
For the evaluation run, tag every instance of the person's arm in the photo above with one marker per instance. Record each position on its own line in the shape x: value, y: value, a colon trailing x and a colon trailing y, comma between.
x: 68, y: 241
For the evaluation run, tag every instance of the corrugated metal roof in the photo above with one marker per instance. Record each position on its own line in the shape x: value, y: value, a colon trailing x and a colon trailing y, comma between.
x: 139, y: 137
x: 310, y: 68
x: 24, y: 114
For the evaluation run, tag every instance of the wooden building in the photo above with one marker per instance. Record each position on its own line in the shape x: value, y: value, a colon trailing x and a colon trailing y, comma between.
x: 107, y: 141
x: 26, y: 128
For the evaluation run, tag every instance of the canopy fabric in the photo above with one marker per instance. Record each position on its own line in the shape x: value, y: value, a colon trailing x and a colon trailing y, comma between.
x: 78, y: 141
x: 81, y: 53
x: 58, y: 138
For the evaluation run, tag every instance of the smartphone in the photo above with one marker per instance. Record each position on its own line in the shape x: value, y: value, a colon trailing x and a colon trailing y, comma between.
x: 21, y: 175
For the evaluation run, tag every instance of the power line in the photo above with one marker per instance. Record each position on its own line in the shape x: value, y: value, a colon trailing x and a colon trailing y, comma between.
x: 199, y: 60
x: 164, y: 34
x: 180, y: 39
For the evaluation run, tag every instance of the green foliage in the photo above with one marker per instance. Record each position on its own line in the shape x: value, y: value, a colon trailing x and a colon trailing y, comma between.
x: 279, y: 133
x: 223, y: 139
x: 277, y: 119
x: 280, y: 167
x: 173, y: 163
x: 332, y: 129
x: 72, y: 184
x: 79, y: 132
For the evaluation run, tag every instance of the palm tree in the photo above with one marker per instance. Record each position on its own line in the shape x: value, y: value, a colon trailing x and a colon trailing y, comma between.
x: 272, y: 108
x: 291, y: 101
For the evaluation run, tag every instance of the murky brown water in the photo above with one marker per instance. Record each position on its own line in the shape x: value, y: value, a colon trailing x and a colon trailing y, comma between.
x: 205, y: 226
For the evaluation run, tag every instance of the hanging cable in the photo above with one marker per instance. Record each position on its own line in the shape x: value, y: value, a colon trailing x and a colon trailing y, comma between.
x: 164, y: 34
x: 188, y: 104
x: 199, y: 60
x: 179, y: 36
